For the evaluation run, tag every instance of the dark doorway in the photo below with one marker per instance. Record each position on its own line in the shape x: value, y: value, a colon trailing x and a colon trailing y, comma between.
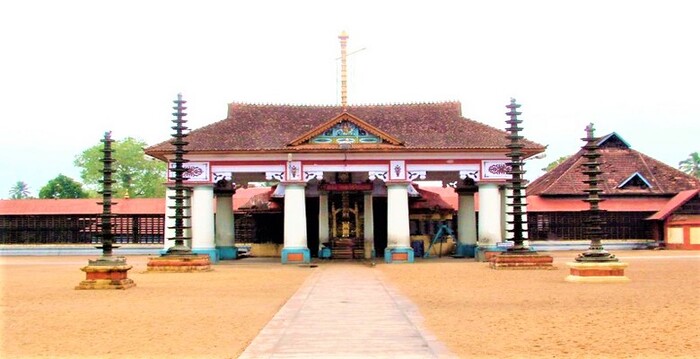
x: 380, y: 218
x: 312, y: 225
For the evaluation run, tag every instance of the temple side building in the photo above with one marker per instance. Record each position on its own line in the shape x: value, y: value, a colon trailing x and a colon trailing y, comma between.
x: 639, y: 195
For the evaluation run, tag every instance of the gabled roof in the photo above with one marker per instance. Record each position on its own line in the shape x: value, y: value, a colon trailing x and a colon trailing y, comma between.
x: 618, y: 163
x: 635, y: 177
x: 613, y: 140
x: 675, y: 202
x: 272, y: 128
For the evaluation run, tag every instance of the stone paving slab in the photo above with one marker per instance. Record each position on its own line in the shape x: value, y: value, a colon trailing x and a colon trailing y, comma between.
x: 345, y: 310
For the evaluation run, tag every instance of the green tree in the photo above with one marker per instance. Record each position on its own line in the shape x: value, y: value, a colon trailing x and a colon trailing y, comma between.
x: 555, y: 163
x: 20, y: 190
x: 691, y: 165
x: 62, y: 187
x: 134, y: 174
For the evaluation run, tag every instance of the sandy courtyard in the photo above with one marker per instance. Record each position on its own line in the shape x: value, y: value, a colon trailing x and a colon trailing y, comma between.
x: 475, y: 311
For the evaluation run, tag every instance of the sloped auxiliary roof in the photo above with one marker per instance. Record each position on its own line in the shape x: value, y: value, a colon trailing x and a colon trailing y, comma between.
x: 619, y: 165
x: 402, y: 127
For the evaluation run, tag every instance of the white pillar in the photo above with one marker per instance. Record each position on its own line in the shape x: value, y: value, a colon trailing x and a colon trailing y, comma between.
x: 505, y: 201
x: 489, y: 215
x: 398, y: 228
x: 295, y: 241
x: 169, y: 231
x: 187, y: 212
x: 466, y: 224
x: 322, y: 220
x: 203, y: 237
x: 526, y: 235
x: 369, y: 226
x: 225, y: 228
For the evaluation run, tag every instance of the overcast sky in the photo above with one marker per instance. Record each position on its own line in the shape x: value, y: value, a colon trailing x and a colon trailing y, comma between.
x: 71, y: 70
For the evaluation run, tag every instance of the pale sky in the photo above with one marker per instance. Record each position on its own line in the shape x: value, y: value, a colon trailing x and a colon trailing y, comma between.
x: 71, y: 70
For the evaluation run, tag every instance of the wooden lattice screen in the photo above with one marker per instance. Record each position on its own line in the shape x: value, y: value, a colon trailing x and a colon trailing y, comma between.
x: 78, y: 229
x: 569, y: 225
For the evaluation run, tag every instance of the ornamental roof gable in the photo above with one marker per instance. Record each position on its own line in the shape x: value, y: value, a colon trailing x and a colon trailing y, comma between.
x: 345, y: 129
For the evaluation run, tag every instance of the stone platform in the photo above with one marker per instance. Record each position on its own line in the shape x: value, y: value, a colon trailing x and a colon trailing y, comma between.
x: 597, y: 272
x: 521, y: 261
x: 179, y: 263
x: 106, y: 277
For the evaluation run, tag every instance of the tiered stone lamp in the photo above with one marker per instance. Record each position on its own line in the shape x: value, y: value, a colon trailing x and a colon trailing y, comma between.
x: 595, y: 265
x: 519, y: 256
x: 179, y: 258
x: 106, y: 272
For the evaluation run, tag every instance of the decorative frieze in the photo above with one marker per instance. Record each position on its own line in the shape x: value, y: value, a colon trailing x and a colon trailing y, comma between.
x: 382, y: 175
x: 473, y: 174
x: 274, y: 175
x: 309, y: 175
x: 397, y: 170
x: 194, y: 171
x: 495, y: 169
x: 416, y: 175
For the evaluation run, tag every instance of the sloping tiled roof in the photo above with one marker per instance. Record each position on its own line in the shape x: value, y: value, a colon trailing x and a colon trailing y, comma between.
x: 425, y: 126
x: 431, y: 200
x: 624, y: 204
x: 618, y: 163
x: 253, y: 198
x: 675, y: 202
x: 80, y: 206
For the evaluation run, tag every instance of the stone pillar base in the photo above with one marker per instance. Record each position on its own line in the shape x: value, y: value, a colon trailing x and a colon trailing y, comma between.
x: 521, y: 261
x: 324, y: 253
x: 227, y: 252
x: 106, y: 277
x: 174, y: 263
x: 398, y: 255
x: 484, y: 253
x: 213, y: 253
x: 466, y: 250
x: 296, y: 256
x: 597, y: 272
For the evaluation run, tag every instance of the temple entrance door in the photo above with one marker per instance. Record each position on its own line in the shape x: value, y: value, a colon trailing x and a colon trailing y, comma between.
x: 346, y: 217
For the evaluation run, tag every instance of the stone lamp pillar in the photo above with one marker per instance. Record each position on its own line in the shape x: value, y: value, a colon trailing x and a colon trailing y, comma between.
x: 519, y: 256
x: 179, y: 257
x: 596, y: 265
x: 107, y: 272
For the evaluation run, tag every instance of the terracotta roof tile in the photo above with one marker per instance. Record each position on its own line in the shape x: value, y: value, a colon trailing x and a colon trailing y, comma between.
x: 617, y: 164
x: 80, y: 206
x: 250, y: 127
x: 675, y: 202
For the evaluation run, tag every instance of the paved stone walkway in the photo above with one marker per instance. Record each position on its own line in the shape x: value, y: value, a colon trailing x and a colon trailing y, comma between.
x: 346, y: 311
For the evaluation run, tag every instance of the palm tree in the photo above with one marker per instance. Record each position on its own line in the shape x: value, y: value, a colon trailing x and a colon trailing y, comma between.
x: 691, y: 165
x: 20, y: 190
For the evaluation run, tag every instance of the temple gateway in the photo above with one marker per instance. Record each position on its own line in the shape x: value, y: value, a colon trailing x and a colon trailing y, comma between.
x: 356, y: 164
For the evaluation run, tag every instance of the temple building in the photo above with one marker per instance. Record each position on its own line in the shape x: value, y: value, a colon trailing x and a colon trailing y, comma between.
x: 345, y: 174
